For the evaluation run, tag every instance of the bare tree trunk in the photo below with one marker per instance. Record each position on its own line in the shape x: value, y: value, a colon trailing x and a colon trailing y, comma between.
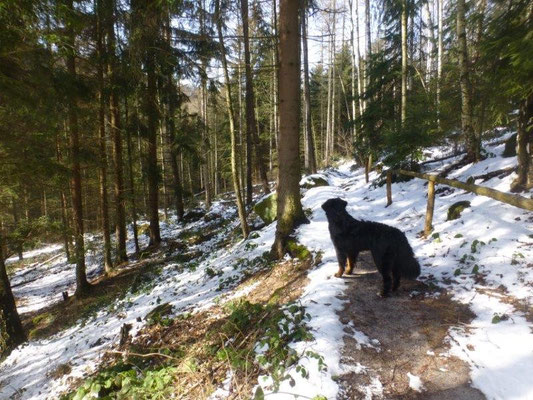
x: 439, y: 57
x: 204, y: 100
x: 524, y: 180
x: 355, y: 68
x: 229, y: 104
x: 104, y: 207
x: 131, y: 181
x: 473, y: 145
x: 251, y: 121
x: 82, y: 285
x: 9, y: 318
x: 151, y: 25
x: 290, y: 212
x: 116, y: 134
x: 310, y: 162
x: 404, y: 62
x: 368, y: 34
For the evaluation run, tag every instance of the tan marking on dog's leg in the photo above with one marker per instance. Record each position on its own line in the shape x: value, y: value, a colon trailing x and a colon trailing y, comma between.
x: 349, y: 266
x: 339, y: 272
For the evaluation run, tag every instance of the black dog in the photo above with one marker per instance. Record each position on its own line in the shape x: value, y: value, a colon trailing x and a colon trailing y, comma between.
x: 389, y: 246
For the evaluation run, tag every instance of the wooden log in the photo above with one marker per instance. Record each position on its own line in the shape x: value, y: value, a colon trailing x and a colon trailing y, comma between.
x: 389, y: 188
x: 512, y: 199
x: 428, y: 227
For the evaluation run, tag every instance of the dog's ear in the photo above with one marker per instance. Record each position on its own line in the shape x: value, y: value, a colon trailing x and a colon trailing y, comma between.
x: 344, y: 203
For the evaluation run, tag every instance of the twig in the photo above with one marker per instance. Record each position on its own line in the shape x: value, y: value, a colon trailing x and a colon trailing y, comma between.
x: 146, y: 355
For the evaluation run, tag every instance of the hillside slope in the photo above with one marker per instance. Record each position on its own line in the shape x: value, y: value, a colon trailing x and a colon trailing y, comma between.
x: 469, y: 312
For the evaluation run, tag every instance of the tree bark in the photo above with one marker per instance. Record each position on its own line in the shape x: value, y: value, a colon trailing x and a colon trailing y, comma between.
x: 404, y: 62
x: 129, y: 147
x: 439, y: 58
x: 231, y: 115
x: 290, y: 212
x: 9, y: 317
x: 473, y: 144
x: 116, y: 134
x: 82, y: 285
x: 251, y: 120
x: 152, y: 112
x: 524, y: 139
x: 104, y: 207
x: 309, y: 162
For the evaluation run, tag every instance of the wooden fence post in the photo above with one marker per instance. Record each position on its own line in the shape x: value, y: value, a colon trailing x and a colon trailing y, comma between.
x: 430, y: 207
x: 389, y: 188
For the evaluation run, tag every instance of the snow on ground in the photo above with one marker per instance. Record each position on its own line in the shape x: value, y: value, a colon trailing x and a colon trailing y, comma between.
x: 34, y: 253
x: 481, y: 259
x: 188, y: 288
x: 500, y: 354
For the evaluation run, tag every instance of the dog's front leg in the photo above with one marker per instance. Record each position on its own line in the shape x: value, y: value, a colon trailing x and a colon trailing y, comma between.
x: 341, y: 257
x: 352, y: 260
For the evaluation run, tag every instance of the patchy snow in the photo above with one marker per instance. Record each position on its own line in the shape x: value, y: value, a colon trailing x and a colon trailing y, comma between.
x: 483, y: 259
x: 415, y: 382
x: 28, y: 255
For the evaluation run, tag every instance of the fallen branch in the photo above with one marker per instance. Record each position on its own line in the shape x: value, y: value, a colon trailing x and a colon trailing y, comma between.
x: 146, y: 355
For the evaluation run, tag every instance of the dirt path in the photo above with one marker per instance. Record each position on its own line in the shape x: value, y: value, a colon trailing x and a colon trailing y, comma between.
x: 406, y: 333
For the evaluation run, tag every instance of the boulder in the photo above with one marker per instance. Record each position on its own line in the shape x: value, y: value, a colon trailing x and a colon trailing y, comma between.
x: 311, y: 181
x: 267, y: 208
x: 455, y: 210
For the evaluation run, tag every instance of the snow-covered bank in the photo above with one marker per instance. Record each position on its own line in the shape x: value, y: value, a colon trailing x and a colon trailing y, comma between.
x: 483, y: 259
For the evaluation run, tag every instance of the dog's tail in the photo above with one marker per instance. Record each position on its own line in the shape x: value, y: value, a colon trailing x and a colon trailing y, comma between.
x: 407, y: 263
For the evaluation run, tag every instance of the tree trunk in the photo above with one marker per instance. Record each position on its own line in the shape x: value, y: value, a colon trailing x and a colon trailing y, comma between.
x: 19, y: 240
x: 404, y: 63
x: 473, y: 145
x: 251, y: 121
x: 82, y: 285
x: 11, y: 332
x: 104, y: 207
x: 129, y: 146
x: 116, y: 134
x: 439, y: 58
x: 310, y: 162
x: 229, y: 105
x: 152, y: 112
x: 524, y: 180
x: 368, y: 34
x: 290, y: 212
x: 205, y: 131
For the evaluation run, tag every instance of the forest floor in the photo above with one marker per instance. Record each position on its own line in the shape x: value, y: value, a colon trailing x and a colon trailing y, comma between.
x: 210, y: 316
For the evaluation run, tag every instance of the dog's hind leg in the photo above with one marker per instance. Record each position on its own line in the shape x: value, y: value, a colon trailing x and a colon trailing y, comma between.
x: 384, y: 265
x: 341, y: 258
x: 352, y: 260
x: 395, y: 278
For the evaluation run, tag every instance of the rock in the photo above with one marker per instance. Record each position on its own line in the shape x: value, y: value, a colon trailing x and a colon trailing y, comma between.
x: 143, y: 229
x: 193, y: 215
x: 267, y: 208
x: 297, y: 250
x: 315, y: 180
x: 455, y: 210
x: 158, y: 312
x: 510, y: 147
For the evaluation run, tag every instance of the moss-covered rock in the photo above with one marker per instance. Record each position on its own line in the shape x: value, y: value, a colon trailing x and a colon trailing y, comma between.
x: 455, y: 210
x: 159, y: 312
x: 312, y: 181
x: 143, y: 229
x: 297, y: 250
x: 267, y: 208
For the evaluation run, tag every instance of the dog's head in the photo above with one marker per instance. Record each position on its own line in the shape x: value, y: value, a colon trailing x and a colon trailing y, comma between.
x: 334, y: 206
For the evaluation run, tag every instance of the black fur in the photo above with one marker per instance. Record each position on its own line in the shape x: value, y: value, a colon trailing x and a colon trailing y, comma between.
x: 390, y: 249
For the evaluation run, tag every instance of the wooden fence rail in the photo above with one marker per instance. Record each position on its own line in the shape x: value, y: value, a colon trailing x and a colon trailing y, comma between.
x: 512, y: 199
